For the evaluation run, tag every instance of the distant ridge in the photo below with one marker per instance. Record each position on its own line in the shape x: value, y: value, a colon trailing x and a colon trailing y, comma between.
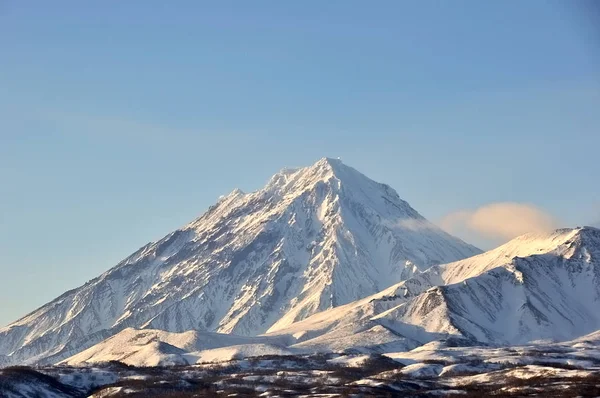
x: 537, y: 286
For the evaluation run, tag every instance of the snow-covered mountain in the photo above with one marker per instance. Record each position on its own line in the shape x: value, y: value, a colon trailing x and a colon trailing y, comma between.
x: 314, y: 238
x: 537, y: 286
x: 533, y: 288
x: 555, y: 295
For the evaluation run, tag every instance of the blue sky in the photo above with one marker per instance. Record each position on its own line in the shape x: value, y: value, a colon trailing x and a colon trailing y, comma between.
x: 121, y: 121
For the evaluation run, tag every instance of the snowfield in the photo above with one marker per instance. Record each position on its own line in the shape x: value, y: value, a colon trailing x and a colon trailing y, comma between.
x: 149, y: 347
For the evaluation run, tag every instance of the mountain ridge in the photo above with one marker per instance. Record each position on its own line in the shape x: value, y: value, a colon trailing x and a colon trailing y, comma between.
x: 313, y: 238
x: 534, y: 289
x: 408, y: 308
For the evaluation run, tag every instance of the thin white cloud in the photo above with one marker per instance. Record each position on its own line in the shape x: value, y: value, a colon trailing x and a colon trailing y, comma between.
x: 412, y: 224
x: 499, y: 221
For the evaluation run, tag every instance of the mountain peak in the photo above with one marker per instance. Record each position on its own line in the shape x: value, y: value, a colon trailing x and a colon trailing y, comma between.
x: 339, y: 178
x: 558, y: 240
x: 322, y: 167
x: 330, y: 163
x: 290, y: 178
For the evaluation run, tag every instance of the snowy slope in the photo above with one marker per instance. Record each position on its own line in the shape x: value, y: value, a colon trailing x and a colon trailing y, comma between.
x: 314, y: 238
x: 150, y: 347
x: 555, y: 295
x: 536, y: 286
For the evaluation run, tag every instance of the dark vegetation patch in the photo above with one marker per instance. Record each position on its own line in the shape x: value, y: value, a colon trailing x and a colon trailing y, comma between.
x: 290, y: 376
x: 539, y: 386
x: 14, y: 378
